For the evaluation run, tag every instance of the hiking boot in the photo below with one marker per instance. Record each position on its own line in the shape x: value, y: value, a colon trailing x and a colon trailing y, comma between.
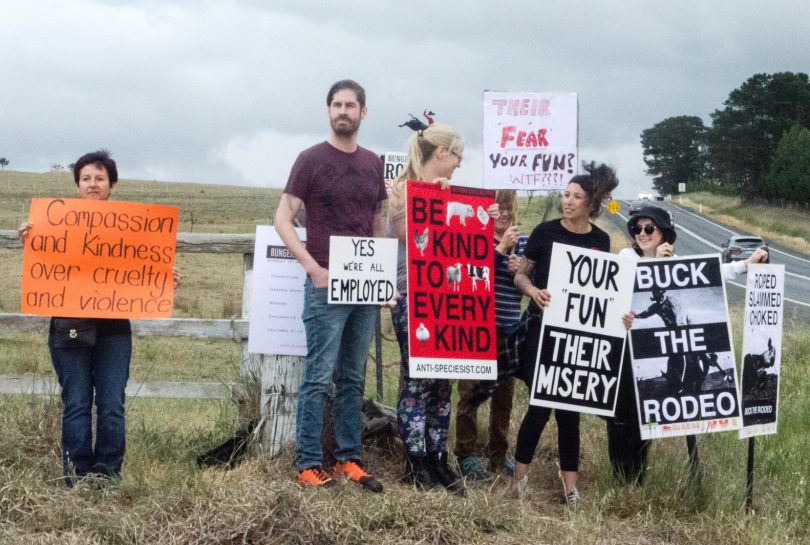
x: 472, y: 469
x: 315, y: 476
x: 444, y: 475
x: 353, y: 471
x: 418, y: 472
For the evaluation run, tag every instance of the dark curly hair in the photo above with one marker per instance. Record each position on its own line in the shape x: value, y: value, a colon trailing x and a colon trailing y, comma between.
x: 598, y: 183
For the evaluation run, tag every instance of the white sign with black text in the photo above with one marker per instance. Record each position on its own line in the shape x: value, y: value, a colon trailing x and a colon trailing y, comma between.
x: 683, y: 357
x: 362, y: 270
x: 393, y: 166
x: 762, y: 349
x: 276, y: 297
x: 582, y: 340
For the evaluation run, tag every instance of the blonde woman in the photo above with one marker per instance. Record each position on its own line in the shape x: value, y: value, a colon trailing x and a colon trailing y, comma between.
x: 423, y: 409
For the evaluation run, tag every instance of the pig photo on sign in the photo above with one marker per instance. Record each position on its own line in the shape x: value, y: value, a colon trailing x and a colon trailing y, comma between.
x: 463, y: 211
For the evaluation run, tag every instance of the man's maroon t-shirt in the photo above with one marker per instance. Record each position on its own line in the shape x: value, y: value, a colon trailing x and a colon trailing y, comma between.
x: 341, y: 192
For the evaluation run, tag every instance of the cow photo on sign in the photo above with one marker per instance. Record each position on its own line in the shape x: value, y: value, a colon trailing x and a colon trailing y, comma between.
x: 683, y: 359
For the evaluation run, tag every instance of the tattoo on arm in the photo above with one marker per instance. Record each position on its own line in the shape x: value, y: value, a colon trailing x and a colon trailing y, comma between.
x: 523, y: 280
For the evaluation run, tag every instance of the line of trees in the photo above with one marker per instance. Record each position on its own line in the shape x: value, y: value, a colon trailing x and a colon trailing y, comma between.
x: 758, y: 143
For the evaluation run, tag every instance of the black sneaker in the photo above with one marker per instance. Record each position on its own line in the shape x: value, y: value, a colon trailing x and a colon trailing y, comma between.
x: 354, y: 471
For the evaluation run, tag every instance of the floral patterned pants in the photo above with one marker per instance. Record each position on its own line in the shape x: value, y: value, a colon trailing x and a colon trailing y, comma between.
x: 423, y: 411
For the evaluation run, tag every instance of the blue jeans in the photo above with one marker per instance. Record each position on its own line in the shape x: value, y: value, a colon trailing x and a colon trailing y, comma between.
x: 338, y: 337
x: 103, y: 368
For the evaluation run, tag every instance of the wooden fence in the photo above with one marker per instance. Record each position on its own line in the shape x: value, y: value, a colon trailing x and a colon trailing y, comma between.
x: 280, y: 376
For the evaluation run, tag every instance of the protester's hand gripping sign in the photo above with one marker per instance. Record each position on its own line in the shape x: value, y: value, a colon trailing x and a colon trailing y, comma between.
x: 762, y: 349
x: 451, y: 304
x: 683, y: 359
x: 99, y: 259
x: 582, y: 339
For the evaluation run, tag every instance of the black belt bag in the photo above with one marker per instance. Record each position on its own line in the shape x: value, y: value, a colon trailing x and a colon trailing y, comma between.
x: 73, y: 332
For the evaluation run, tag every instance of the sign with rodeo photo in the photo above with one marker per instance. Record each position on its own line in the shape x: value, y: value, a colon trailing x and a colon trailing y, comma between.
x: 451, y: 292
x: 579, y: 360
x: 683, y: 358
x: 99, y: 259
x: 762, y: 349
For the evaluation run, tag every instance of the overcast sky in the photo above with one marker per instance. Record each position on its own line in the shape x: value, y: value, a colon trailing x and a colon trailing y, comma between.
x: 230, y: 92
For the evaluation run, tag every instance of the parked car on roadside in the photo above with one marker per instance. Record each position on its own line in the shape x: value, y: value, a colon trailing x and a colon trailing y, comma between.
x: 740, y: 247
x: 634, y: 206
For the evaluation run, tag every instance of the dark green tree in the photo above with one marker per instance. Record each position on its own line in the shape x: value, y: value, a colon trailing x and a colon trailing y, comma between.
x: 675, y: 152
x: 745, y: 133
x: 3, y: 163
x: 789, y: 175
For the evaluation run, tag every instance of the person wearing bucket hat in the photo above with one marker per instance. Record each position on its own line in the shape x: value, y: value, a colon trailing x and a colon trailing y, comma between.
x: 653, y: 233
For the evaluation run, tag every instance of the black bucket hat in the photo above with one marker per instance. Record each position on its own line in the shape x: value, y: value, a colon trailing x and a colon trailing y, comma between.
x: 660, y: 217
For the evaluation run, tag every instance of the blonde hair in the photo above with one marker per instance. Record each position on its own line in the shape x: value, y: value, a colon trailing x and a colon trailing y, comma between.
x: 421, y: 147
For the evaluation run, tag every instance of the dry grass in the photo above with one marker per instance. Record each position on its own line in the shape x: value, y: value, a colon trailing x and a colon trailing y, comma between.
x: 790, y: 228
x: 164, y: 498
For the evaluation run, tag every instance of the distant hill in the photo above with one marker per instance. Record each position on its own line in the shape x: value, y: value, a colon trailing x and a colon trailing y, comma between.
x: 203, y: 207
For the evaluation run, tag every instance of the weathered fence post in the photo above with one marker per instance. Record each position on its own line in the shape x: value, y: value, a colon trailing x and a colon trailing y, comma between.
x: 280, y: 379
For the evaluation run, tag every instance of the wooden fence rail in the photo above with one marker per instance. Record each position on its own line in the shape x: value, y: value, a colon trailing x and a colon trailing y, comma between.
x: 280, y: 376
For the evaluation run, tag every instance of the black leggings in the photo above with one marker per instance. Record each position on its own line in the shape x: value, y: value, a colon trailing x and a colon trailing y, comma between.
x: 536, y: 417
x: 567, y: 436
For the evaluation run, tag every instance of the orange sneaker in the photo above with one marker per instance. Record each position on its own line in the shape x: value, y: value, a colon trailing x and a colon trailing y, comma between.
x: 353, y: 471
x: 315, y: 476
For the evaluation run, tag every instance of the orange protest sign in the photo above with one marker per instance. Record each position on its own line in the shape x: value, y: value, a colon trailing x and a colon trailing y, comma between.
x: 99, y: 259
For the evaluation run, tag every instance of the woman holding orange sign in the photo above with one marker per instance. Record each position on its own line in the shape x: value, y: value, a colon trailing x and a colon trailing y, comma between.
x: 91, y: 359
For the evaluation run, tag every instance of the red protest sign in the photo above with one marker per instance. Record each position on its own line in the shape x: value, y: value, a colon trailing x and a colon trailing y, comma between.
x: 99, y: 259
x: 451, y: 283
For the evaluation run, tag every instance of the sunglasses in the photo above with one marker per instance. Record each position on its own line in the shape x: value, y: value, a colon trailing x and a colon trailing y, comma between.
x: 648, y: 229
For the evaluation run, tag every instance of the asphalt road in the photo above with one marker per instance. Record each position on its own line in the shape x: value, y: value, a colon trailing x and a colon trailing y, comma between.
x: 698, y: 234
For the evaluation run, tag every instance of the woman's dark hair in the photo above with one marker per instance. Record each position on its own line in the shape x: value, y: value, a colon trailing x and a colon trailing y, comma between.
x: 100, y: 158
x: 660, y: 218
x: 598, y: 183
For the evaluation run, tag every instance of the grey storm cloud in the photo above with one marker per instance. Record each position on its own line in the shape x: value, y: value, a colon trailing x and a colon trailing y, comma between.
x: 229, y: 92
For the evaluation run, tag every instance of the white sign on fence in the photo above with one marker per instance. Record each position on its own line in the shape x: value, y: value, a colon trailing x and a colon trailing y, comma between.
x: 530, y: 140
x: 362, y: 270
x: 276, y: 297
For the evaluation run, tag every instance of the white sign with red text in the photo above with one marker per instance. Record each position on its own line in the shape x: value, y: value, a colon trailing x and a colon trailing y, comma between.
x: 530, y: 140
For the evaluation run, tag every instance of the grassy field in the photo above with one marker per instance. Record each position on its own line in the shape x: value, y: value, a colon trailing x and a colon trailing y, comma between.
x: 788, y: 227
x: 164, y: 498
